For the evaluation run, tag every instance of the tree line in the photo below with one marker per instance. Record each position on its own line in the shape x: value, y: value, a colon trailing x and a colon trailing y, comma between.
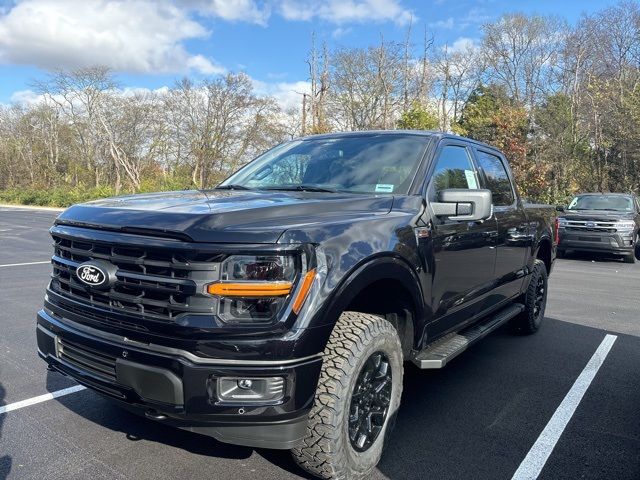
x: 562, y: 102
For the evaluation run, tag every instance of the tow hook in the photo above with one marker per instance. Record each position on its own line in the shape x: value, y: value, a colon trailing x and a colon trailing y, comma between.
x: 155, y: 415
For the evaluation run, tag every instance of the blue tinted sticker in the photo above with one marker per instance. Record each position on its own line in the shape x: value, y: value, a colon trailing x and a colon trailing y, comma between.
x: 384, y: 187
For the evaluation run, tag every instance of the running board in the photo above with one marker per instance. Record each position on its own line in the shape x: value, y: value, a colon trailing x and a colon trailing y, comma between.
x: 438, y: 353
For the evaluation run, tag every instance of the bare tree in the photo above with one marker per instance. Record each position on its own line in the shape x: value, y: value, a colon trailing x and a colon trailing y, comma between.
x: 457, y: 74
x: 522, y: 53
x: 366, y: 86
x: 219, y: 124
x: 78, y: 94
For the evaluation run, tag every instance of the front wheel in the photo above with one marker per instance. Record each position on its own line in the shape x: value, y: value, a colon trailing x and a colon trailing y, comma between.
x: 356, y: 401
x: 535, y: 301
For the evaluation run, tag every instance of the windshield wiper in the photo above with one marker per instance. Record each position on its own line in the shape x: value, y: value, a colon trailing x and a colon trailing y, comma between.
x: 232, y: 187
x: 303, y: 188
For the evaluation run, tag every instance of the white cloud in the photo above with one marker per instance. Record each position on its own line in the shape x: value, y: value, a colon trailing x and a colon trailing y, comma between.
x: 461, y: 44
x: 25, y: 97
x: 232, y: 10
x: 133, y: 36
x: 444, y: 24
x: 29, y: 97
x: 204, y: 65
x: 341, y: 32
x: 474, y: 16
x: 276, y: 75
x: 346, y: 11
x: 149, y: 36
x: 287, y: 94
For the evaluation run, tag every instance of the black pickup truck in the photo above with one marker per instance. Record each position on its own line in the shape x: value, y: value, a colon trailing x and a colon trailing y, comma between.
x: 277, y: 310
x: 602, y: 223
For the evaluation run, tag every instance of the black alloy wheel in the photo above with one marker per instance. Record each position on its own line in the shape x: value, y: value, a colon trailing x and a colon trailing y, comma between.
x: 370, y: 402
x: 534, y: 301
x: 357, y: 399
x: 540, y: 298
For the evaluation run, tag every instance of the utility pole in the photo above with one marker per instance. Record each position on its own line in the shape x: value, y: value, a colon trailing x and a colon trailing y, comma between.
x: 304, y: 114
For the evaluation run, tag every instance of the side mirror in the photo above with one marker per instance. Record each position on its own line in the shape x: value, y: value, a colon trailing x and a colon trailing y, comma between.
x: 559, y: 208
x: 464, y: 205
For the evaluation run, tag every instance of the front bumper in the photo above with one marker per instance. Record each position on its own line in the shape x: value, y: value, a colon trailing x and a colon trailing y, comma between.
x: 593, y: 241
x: 177, y: 389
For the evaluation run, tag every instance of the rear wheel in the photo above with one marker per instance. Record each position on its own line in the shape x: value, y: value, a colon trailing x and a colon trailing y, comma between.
x: 356, y: 401
x: 535, y: 301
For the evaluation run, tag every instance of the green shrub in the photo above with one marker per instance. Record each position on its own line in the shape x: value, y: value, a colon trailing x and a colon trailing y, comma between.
x: 67, y: 196
x: 54, y: 197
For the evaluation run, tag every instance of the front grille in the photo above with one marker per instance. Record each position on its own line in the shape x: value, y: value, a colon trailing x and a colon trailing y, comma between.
x: 591, y: 226
x: 152, y: 283
x: 87, y: 359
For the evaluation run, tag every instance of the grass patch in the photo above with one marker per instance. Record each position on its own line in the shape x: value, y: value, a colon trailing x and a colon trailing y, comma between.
x: 54, y: 197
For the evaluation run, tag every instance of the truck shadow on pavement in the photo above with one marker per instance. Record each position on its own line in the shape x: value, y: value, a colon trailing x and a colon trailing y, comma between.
x: 592, y: 257
x: 5, y: 460
x: 476, y: 418
x: 103, y: 412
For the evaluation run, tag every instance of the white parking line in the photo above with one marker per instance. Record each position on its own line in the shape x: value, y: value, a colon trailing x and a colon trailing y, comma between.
x: 42, y: 398
x: 22, y: 264
x: 535, y: 460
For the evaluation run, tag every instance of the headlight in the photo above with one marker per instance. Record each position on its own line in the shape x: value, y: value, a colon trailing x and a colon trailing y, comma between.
x: 253, y: 289
x: 621, y: 225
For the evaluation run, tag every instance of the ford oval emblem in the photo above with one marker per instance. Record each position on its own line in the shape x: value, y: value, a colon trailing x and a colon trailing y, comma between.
x: 94, y: 274
x: 590, y: 225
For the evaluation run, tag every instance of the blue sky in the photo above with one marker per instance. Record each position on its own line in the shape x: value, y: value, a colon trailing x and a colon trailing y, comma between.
x: 151, y: 43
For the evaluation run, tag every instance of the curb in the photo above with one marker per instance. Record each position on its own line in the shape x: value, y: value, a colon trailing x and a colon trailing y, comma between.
x: 30, y: 207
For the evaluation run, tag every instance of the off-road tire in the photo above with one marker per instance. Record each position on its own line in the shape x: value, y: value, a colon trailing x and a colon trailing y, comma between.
x: 529, y: 320
x: 326, y: 451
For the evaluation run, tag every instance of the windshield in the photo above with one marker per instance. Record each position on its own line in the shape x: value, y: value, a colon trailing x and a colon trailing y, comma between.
x: 359, y: 164
x: 615, y: 203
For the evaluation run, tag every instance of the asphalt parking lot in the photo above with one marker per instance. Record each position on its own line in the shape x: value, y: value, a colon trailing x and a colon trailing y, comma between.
x: 479, y: 418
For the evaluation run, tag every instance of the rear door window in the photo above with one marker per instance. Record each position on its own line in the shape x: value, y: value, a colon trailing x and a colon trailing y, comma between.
x: 497, y: 178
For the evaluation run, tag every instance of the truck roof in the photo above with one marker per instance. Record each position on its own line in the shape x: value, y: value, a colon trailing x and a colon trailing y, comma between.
x: 619, y: 194
x: 421, y: 133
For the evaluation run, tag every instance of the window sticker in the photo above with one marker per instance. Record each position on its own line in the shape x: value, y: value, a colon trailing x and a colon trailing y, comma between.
x: 384, y: 187
x: 471, y: 179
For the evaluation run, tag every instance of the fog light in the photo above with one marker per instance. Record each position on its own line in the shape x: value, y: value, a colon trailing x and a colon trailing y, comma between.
x: 250, y: 390
x: 245, y: 383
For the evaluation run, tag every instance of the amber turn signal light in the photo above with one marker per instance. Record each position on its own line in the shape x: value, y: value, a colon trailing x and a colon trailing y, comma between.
x: 249, y: 289
x: 307, y: 281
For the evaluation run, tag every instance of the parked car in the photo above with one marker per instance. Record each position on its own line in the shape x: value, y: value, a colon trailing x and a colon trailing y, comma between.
x: 277, y: 309
x: 601, y: 222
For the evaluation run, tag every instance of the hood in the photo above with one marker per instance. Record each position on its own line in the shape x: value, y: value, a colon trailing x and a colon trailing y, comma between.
x: 597, y: 215
x: 223, y: 216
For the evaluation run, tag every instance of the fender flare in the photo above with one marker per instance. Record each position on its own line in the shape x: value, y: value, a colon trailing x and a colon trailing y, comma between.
x: 544, y: 238
x: 383, y: 267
